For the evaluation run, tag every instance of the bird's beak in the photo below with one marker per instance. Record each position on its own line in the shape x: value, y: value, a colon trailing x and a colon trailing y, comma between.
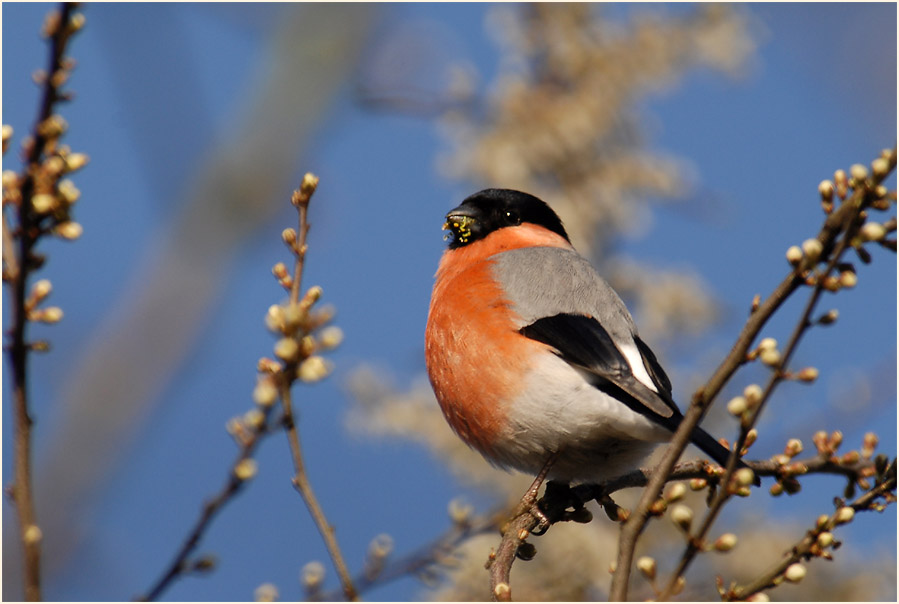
x: 459, y: 221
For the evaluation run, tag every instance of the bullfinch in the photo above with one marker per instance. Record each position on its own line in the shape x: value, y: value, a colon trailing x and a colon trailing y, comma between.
x: 532, y: 354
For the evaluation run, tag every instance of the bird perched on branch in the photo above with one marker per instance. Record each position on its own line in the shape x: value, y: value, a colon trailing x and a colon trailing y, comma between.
x: 532, y: 354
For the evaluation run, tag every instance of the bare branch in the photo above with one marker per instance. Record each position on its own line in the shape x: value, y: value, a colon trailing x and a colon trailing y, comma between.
x: 287, y: 376
x: 19, y: 262
x: 818, y: 541
x: 843, y: 220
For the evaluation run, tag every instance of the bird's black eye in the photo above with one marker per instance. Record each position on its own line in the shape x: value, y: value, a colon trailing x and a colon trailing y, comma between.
x: 513, y: 218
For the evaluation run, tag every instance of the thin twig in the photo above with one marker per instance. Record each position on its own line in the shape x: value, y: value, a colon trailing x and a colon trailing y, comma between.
x: 432, y: 554
x: 704, y: 397
x: 523, y: 518
x: 523, y: 521
x: 301, y: 479
x: 248, y: 437
x: 695, y: 542
x: 809, y: 546
x: 211, y: 508
x: 20, y: 264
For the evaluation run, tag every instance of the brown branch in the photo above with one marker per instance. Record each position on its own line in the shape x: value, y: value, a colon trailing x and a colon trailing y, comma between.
x: 524, y: 519
x: 19, y: 264
x: 696, y: 540
x: 812, y: 545
x: 300, y: 481
x: 422, y: 559
x: 237, y: 477
x: 248, y: 436
x: 835, y: 224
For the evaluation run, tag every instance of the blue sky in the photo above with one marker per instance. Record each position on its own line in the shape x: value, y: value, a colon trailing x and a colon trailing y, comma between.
x: 160, y: 87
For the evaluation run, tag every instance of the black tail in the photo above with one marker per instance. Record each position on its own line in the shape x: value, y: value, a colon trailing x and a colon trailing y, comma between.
x: 713, y: 449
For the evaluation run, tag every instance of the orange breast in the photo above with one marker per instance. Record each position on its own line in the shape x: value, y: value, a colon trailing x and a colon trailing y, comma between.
x: 475, y: 356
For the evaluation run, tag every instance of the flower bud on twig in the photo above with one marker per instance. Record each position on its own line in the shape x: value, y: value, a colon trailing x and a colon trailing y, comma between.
x: 794, y: 573
x: 647, y: 566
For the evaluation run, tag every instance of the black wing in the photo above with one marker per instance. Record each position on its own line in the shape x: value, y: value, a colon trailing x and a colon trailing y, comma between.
x: 585, y: 344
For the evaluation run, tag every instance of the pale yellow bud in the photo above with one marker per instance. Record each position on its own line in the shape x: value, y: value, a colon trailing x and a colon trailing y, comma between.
x: 41, y: 289
x: 44, y: 203
x: 381, y: 546
x: 836, y: 438
x: 858, y: 172
x: 502, y: 592
x: 744, y: 477
x: 265, y: 393
x: 759, y: 597
x: 313, y: 294
x: 69, y: 229
x: 829, y: 317
x: 753, y: 394
x: 266, y: 592
x: 770, y: 356
x: 287, y: 349
x: 751, y: 437
x: 768, y: 344
x: 459, y: 511
x: 872, y: 231
x: 825, y: 539
x: 880, y: 167
x: 245, y: 469
x: 794, y: 573
x: 647, y: 566
x: 807, y: 374
x: 737, y: 406
x: 726, y: 542
x: 54, y: 165
x: 314, y: 369
x: 254, y: 418
x: 280, y: 270
x: 52, y: 314
x: 812, y: 249
x: 675, y: 492
x: 697, y: 484
x: 7, y: 133
x: 33, y: 534
x: 844, y: 514
x: 274, y: 318
x: 848, y: 279
x: 289, y: 236
x: 10, y: 180
x: 331, y: 337
x: 312, y: 576
x: 309, y: 184
x: 825, y: 188
x: 53, y: 126
x: 793, y: 448
x: 68, y: 191
x: 77, y: 21
x: 682, y: 516
x: 267, y: 365
x: 76, y: 161
x: 794, y: 255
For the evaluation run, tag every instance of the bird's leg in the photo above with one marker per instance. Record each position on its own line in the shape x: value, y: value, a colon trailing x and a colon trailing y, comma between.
x: 528, y: 502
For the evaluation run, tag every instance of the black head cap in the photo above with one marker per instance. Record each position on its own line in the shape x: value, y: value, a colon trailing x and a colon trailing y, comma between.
x: 493, y: 209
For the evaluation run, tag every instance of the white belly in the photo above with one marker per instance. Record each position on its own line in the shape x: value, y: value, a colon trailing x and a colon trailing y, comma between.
x: 597, y: 436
